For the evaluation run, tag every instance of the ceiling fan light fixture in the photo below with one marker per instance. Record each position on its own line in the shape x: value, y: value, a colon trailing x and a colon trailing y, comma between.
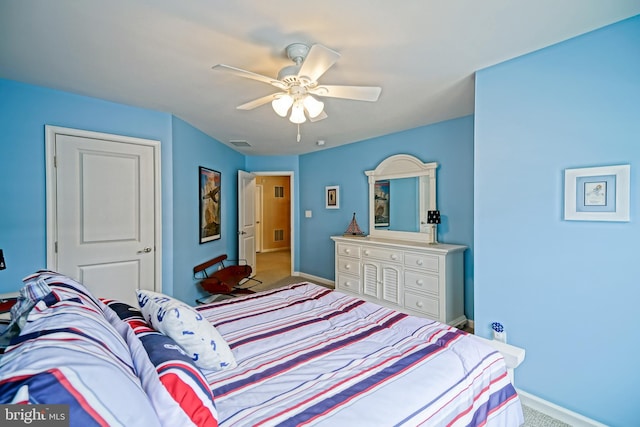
x: 297, y: 113
x: 282, y: 104
x: 313, y: 106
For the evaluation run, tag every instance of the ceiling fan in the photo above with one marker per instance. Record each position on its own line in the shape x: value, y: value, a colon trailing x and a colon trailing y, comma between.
x: 299, y: 83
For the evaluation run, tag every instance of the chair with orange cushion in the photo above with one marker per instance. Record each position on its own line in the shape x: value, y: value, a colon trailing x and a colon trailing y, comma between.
x: 218, y: 278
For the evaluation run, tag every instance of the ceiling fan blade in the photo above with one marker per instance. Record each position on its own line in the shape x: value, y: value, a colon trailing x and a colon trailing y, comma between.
x: 318, y: 60
x: 248, y: 75
x: 258, y: 102
x: 319, y: 117
x: 358, y: 93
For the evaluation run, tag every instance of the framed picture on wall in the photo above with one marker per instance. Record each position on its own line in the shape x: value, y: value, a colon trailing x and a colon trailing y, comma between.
x: 210, y: 200
x: 597, y: 194
x: 332, y: 197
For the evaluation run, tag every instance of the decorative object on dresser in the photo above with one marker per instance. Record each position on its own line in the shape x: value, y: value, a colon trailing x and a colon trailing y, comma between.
x: 413, y: 277
x: 433, y: 219
x: 353, y: 230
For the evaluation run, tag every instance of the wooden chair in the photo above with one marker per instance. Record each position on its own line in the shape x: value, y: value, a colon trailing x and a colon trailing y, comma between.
x: 218, y: 278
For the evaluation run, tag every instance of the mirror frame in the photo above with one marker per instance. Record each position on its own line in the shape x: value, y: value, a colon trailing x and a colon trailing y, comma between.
x: 402, y: 166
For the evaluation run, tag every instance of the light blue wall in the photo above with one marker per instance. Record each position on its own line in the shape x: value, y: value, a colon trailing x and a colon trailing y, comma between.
x: 25, y: 109
x: 192, y: 149
x: 449, y: 143
x: 24, y: 112
x: 566, y: 291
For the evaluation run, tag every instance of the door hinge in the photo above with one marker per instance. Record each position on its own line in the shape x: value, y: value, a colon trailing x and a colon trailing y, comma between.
x: 55, y: 247
x: 55, y: 161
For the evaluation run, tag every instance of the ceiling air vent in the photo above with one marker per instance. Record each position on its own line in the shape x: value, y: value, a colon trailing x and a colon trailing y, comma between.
x: 240, y: 143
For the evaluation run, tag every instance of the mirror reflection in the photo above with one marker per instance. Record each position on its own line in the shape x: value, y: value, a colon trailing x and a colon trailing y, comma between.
x: 398, y: 204
x: 402, y: 189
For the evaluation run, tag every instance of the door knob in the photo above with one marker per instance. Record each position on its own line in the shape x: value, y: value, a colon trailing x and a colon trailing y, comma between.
x: 145, y: 251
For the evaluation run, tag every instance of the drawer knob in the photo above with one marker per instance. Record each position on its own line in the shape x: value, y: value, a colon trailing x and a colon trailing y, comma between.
x: 394, y: 257
x: 366, y: 252
x: 347, y: 251
x: 419, y: 304
x: 419, y: 282
x: 347, y: 267
x: 419, y: 262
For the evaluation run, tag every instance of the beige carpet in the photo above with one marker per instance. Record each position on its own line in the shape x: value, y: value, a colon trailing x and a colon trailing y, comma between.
x: 272, y: 267
x: 285, y: 281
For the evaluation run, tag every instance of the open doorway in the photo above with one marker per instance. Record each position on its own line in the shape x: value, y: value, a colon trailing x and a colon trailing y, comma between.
x: 274, y: 226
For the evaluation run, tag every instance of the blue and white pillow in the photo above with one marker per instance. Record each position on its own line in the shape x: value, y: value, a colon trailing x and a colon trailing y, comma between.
x: 197, y: 337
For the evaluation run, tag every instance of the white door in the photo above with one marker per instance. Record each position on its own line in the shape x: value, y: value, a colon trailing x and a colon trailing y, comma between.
x: 105, y: 215
x: 246, y: 218
x: 258, y: 218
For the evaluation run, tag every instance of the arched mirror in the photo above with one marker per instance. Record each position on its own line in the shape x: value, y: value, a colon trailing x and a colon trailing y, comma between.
x: 402, y: 189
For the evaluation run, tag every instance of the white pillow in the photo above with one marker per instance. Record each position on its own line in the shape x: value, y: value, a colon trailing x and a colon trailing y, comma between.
x: 197, y: 337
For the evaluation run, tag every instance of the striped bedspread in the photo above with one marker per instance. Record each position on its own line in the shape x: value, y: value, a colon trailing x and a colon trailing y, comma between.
x: 311, y: 356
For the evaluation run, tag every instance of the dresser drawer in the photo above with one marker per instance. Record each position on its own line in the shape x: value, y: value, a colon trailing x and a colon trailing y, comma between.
x: 423, y: 282
x: 348, y: 250
x: 345, y: 282
x: 422, y: 304
x: 382, y: 254
x: 416, y: 260
x: 348, y: 265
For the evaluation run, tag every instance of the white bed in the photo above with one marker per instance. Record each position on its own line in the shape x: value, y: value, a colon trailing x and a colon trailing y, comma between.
x: 301, y: 355
x: 309, y: 355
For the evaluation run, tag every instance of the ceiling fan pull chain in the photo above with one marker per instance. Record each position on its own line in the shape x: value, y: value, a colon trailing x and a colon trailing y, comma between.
x: 298, y: 138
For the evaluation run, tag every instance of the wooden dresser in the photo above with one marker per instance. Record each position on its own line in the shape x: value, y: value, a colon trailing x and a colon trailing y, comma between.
x: 412, y: 277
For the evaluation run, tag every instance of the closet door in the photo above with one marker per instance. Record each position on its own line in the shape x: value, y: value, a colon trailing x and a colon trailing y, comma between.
x: 102, y: 207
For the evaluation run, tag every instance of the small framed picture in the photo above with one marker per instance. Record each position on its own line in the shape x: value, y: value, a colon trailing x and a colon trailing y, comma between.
x: 597, y: 194
x: 332, y: 197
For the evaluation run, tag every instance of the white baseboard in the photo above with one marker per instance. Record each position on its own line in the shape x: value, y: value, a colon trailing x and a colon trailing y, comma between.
x: 471, y: 324
x: 558, y: 412
x: 315, y: 278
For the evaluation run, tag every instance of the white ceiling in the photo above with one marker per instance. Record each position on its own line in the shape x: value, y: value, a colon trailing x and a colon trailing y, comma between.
x: 158, y: 54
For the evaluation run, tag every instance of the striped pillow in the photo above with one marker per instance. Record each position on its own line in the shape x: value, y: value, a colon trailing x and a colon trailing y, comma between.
x: 177, y: 372
x: 68, y: 353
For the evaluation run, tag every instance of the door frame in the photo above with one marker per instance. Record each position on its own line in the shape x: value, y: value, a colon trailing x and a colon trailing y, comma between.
x: 258, y: 215
x: 51, y: 190
x: 292, y: 242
